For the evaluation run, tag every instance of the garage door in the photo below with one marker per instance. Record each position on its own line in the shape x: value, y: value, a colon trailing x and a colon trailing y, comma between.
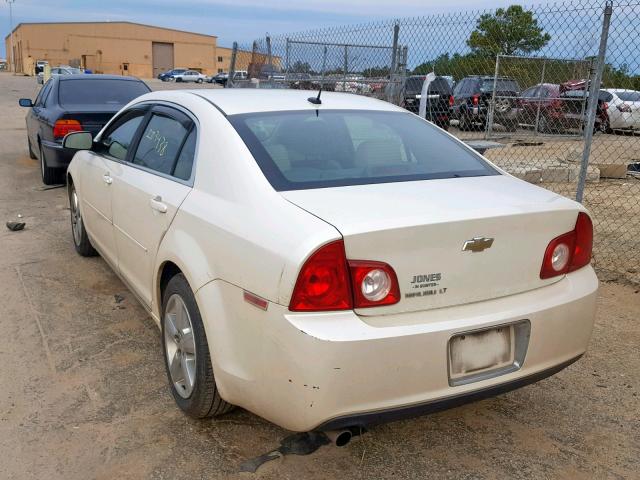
x: 162, y: 57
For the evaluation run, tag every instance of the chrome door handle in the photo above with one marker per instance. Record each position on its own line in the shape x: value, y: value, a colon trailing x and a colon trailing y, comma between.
x: 156, y: 204
x: 107, y: 179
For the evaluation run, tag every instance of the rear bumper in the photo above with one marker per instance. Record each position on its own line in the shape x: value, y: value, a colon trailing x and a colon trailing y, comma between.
x: 56, y: 155
x: 328, y: 370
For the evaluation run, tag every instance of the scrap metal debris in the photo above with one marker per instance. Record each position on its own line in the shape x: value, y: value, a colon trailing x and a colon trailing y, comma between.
x: 303, y: 443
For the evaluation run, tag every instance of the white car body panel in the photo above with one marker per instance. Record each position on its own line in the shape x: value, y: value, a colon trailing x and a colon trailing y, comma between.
x: 230, y: 232
x: 623, y: 120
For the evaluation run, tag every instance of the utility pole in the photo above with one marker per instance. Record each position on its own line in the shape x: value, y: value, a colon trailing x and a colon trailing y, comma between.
x: 13, y: 56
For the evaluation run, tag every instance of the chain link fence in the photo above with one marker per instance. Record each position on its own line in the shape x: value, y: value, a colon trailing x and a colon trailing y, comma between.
x: 550, y: 93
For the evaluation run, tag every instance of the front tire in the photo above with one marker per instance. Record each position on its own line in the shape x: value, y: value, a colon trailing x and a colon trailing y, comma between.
x: 186, y: 353
x: 199, y: 80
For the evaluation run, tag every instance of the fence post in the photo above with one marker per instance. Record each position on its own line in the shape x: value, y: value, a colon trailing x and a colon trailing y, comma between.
x: 539, y: 99
x: 489, y: 127
x: 269, y: 52
x: 324, y: 63
x: 346, y: 68
x: 391, y: 91
x: 594, y: 90
x: 286, y: 60
x: 232, y: 66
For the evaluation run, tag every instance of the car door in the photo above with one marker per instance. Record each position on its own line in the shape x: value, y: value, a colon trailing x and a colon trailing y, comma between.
x: 35, y: 117
x: 148, y: 190
x: 96, y: 180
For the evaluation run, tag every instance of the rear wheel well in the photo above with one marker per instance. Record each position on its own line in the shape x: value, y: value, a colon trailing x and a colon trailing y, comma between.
x: 169, y: 270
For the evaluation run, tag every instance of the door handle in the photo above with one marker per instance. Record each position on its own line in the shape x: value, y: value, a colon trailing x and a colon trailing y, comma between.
x: 107, y: 179
x: 156, y: 204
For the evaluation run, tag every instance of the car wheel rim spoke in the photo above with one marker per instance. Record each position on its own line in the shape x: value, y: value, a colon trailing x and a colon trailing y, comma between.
x: 180, y: 349
x: 76, y: 219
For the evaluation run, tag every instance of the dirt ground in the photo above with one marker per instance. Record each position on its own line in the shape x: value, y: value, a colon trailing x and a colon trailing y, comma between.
x: 84, y: 393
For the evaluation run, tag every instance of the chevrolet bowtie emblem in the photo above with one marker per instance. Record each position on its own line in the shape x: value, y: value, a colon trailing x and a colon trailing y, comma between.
x: 477, y: 244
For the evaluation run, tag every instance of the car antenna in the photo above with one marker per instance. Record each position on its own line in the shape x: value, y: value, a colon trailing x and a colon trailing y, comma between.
x: 316, y: 100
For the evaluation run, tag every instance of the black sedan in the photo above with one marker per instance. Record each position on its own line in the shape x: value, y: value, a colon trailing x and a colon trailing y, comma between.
x: 168, y: 76
x: 73, y: 103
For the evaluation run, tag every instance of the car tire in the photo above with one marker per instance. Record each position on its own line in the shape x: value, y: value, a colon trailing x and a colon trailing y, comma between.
x: 510, y: 125
x: 190, y: 374
x: 32, y: 155
x: 178, y: 79
x: 50, y: 176
x: 199, y: 80
x: 79, y: 234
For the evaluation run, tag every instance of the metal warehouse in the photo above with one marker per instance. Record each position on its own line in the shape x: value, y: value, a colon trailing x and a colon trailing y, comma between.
x: 123, y: 48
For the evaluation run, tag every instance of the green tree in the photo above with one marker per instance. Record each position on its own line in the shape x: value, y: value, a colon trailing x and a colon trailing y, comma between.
x: 509, y: 31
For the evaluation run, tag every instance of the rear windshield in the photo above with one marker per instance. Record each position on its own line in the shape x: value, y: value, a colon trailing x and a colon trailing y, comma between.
x: 327, y: 148
x: 439, y: 85
x: 629, y: 96
x: 501, y: 86
x: 100, y: 92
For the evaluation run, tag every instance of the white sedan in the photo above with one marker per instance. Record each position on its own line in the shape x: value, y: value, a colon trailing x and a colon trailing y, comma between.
x: 624, y: 109
x: 189, y: 76
x: 329, y: 265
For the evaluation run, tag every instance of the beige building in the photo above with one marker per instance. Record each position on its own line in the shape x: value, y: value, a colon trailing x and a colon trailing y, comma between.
x: 122, y: 48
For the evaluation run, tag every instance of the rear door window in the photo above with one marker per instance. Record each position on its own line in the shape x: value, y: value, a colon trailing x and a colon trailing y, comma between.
x: 161, y: 142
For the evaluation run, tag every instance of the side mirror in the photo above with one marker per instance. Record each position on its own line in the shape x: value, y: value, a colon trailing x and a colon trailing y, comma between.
x: 78, y: 141
x: 25, y: 102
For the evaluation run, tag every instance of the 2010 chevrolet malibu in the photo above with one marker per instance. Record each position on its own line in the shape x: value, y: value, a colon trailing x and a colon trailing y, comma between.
x: 329, y: 263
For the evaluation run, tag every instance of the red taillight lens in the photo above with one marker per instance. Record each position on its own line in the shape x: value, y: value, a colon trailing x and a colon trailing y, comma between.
x: 323, y: 282
x: 451, y: 100
x: 569, y: 251
x: 62, y: 127
x: 475, y: 99
x: 374, y: 284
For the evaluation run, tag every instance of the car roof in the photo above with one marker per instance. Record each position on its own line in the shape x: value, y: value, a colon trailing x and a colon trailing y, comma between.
x: 232, y: 101
x: 85, y: 77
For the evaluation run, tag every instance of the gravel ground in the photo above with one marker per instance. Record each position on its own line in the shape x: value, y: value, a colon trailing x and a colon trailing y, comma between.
x: 84, y: 393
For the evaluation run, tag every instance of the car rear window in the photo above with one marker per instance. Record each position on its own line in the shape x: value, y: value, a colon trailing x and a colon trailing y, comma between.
x: 327, y: 148
x: 439, y: 85
x: 501, y: 86
x: 629, y: 96
x: 99, y: 92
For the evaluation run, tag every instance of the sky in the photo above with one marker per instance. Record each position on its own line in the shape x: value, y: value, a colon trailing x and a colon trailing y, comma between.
x: 231, y: 20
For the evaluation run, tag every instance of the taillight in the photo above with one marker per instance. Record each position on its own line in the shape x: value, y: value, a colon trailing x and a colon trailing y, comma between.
x: 475, y: 99
x: 569, y: 251
x: 62, y: 127
x: 624, y: 107
x: 451, y: 100
x: 327, y: 281
x: 323, y: 282
x: 374, y: 284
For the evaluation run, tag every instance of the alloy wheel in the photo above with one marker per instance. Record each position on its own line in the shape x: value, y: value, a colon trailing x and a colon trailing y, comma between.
x: 180, y: 346
x: 76, y: 218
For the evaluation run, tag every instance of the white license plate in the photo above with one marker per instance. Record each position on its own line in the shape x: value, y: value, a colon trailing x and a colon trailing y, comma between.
x: 483, y: 351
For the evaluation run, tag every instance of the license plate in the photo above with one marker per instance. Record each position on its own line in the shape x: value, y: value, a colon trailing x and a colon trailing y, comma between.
x: 475, y: 353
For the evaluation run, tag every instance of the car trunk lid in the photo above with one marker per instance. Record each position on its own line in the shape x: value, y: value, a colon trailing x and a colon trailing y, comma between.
x: 420, y: 228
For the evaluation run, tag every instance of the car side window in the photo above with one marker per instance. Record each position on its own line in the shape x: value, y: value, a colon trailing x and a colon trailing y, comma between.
x: 118, y: 139
x: 184, y: 164
x: 43, y: 94
x: 161, y: 142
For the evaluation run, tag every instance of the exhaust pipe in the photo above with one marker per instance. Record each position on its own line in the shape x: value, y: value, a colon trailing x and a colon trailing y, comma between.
x: 339, y: 438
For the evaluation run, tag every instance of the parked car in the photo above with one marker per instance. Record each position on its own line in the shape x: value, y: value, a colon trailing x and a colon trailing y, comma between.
x: 69, y: 103
x: 219, y: 78
x: 439, y: 102
x: 330, y: 267
x: 298, y: 81
x: 168, y: 75
x: 558, y: 108
x: 624, y: 109
x: 57, y: 71
x: 189, y: 76
x: 473, y: 95
x: 223, y: 78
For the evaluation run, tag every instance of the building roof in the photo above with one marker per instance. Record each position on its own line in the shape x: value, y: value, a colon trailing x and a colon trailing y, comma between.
x: 113, y: 23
